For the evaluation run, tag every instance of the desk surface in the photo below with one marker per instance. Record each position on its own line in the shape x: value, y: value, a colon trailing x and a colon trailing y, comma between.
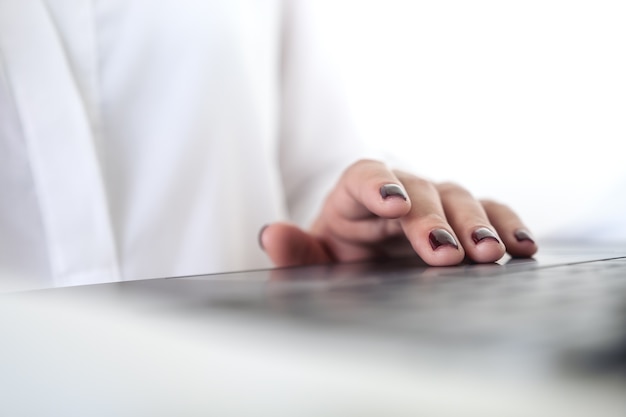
x: 204, y: 346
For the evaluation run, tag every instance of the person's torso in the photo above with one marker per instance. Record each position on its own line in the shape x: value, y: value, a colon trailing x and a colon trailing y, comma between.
x: 138, y: 137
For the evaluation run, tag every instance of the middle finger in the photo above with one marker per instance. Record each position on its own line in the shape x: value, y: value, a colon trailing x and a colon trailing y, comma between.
x: 470, y: 222
x: 426, y: 226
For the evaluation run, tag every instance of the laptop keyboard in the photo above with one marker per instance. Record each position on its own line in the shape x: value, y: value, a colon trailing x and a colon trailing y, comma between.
x: 525, y: 312
x: 576, y: 311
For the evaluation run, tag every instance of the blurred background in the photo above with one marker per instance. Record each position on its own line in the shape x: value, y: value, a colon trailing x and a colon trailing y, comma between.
x: 524, y: 102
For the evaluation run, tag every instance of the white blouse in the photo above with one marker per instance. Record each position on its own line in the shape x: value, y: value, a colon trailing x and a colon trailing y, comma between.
x: 143, y: 138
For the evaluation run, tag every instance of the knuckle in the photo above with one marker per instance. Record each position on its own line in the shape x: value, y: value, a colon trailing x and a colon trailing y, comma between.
x: 364, y: 169
x: 449, y: 188
x: 364, y: 163
x: 421, y: 184
x: 493, y: 205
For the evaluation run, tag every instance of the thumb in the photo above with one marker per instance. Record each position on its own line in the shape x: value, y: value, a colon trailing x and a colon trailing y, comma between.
x: 288, y: 245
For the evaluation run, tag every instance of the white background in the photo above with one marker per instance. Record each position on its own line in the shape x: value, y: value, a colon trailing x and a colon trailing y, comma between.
x: 521, y: 101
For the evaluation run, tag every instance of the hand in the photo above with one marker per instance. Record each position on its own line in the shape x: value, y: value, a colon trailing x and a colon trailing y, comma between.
x: 374, y: 212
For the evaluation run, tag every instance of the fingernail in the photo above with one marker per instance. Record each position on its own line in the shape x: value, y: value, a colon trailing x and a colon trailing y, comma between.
x: 391, y: 190
x: 260, y: 236
x: 523, y: 235
x: 441, y: 237
x: 483, y: 233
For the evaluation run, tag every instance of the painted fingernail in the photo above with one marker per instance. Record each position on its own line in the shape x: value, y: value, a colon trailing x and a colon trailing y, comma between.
x: 441, y: 237
x: 260, y: 236
x: 483, y: 233
x: 523, y: 235
x: 393, y: 190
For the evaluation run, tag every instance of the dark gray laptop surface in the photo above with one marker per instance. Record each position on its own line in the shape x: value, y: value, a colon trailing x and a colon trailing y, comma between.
x: 542, y: 336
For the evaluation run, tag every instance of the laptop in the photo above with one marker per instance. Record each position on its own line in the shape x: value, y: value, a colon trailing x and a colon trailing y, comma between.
x: 522, y: 337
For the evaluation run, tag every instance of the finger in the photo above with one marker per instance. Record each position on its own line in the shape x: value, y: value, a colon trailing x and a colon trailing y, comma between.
x: 288, y: 245
x: 369, y: 188
x: 471, y: 224
x: 361, y: 232
x: 426, y: 226
x: 518, y: 240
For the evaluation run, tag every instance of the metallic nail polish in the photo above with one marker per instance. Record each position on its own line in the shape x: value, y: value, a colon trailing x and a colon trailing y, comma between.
x: 483, y: 233
x: 441, y: 237
x: 523, y: 235
x: 260, y: 236
x: 391, y: 190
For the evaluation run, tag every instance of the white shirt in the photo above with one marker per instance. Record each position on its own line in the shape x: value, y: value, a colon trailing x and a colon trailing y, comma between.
x: 144, y: 138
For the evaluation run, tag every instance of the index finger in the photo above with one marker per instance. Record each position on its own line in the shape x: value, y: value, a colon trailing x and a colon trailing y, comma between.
x: 368, y: 188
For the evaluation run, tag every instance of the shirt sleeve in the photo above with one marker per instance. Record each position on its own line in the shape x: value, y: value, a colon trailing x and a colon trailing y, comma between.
x: 318, y: 137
